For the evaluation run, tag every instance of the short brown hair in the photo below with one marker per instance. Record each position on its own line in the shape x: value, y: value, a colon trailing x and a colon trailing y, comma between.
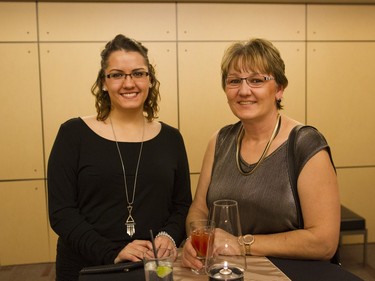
x: 256, y: 55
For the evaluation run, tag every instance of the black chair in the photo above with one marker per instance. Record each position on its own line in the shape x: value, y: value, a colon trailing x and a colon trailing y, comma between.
x: 353, y: 224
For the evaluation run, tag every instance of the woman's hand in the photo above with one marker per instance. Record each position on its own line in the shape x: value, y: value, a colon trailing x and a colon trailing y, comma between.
x: 221, y: 238
x: 134, y: 251
x: 164, y: 242
x: 189, y: 256
x: 232, y: 247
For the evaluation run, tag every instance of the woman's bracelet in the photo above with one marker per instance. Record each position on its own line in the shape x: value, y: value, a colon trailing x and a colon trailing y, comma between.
x: 163, y: 233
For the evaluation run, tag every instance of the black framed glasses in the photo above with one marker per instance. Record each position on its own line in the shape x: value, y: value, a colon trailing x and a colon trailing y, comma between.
x: 135, y: 75
x: 256, y: 81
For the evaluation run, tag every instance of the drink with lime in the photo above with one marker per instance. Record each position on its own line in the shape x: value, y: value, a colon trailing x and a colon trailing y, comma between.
x: 159, y: 268
x: 161, y: 272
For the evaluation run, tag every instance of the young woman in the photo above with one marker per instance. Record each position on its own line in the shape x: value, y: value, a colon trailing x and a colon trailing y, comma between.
x: 115, y: 176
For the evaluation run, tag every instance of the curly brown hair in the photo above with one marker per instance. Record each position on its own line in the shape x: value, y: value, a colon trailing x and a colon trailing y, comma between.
x: 102, y: 99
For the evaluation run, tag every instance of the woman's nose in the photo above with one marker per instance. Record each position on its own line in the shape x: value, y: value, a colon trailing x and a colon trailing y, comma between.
x: 128, y: 82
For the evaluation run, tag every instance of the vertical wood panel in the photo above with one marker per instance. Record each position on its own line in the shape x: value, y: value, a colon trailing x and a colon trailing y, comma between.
x: 21, y: 130
x: 23, y: 223
x: 357, y: 193
x: 294, y: 56
x: 340, y: 92
x: 163, y: 56
x: 203, y: 106
x: 68, y: 71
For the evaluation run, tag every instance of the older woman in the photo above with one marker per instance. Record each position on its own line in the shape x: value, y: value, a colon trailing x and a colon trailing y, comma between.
x: 247, y: 162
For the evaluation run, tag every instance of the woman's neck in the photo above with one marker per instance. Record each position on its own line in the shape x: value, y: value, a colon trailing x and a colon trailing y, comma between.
x: 128, y: 127
x: 260, y: 130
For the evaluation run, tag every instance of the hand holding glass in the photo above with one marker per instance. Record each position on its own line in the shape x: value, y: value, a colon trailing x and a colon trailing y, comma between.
x: 201, y: 235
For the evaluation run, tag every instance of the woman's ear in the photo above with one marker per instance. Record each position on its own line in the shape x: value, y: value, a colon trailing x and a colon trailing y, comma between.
x: 279, y: 93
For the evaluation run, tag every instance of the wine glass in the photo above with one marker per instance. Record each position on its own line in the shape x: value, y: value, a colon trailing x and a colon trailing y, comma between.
x: 226, y: 258
x: 201, y: 236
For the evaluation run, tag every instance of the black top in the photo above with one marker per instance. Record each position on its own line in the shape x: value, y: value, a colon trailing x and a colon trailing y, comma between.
x: 87, y: 201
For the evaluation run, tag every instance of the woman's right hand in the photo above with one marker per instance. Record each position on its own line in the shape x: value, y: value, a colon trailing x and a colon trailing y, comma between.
x: 134, y: 251
x: 189, y: 256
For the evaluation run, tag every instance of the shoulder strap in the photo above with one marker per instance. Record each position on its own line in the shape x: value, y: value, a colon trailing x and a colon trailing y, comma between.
x: 293, y: 172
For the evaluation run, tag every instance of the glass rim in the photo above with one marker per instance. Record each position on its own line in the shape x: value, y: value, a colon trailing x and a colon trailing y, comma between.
x: 208, y: 222
x: 227, y: 202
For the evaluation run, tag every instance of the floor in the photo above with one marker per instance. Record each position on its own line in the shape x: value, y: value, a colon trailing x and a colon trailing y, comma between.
x: 351, y: 259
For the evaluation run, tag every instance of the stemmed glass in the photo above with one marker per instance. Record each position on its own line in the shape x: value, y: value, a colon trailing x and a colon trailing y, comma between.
x: 226, y: 258
x: 201, y: 235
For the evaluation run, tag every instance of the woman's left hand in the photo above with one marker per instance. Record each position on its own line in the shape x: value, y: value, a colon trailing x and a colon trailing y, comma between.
x: 163, y: 241
x: 232, y: 247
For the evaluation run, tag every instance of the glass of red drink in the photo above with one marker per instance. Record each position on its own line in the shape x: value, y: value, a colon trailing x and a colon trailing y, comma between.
x: 201, y: 235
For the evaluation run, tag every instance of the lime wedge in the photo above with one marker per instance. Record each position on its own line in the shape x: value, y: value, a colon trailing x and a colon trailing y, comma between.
x: 163, y: 270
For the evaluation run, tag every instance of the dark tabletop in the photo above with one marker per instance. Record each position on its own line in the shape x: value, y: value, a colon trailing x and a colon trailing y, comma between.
x: 306, y: 270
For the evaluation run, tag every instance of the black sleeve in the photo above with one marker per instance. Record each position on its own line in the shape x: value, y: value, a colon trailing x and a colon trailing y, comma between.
x: 64, y: 215
x: 181, y: 197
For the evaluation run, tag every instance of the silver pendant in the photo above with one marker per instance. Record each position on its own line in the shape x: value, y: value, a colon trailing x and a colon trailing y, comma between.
x: 130, y: 223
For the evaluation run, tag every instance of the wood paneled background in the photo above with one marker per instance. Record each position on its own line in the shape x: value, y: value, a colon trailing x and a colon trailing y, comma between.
x: 50, y: 58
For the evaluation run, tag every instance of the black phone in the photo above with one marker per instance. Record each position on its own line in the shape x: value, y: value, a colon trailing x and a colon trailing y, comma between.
x: 109, y: 268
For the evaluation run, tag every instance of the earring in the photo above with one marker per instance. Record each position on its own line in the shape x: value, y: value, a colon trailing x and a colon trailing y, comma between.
x: 104, y: 89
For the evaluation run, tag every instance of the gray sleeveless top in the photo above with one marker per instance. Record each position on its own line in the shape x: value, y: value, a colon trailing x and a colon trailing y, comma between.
x: 265, y: 199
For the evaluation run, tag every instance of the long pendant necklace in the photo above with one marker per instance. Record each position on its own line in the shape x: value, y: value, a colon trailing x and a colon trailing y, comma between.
x: 130, y: 222
x: 238, y: 148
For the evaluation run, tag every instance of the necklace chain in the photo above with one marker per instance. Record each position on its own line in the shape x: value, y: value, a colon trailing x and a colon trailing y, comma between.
x: 238, y: 148
x: 130, y: 223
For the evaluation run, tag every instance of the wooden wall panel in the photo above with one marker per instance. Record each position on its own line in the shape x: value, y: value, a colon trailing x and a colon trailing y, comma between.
x: 95, y: 21
x: 23, y: 222
x: 18, y: 21
x: 357, y: 193
x: 68, y: 71
x: 341, y: 22
x: 222, y: 22
x: 294, y: 100
x: 203, y: 106
x: 163, y: 56
x: 340, y: 98
x: 21, y: 130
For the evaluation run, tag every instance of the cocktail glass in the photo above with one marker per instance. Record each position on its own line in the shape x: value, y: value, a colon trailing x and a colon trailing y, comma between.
x: 159, y: 268
x: 201, y: 235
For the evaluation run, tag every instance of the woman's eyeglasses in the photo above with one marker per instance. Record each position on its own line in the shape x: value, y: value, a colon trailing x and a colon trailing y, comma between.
x: 135, y: 75
x: 253, y: 81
